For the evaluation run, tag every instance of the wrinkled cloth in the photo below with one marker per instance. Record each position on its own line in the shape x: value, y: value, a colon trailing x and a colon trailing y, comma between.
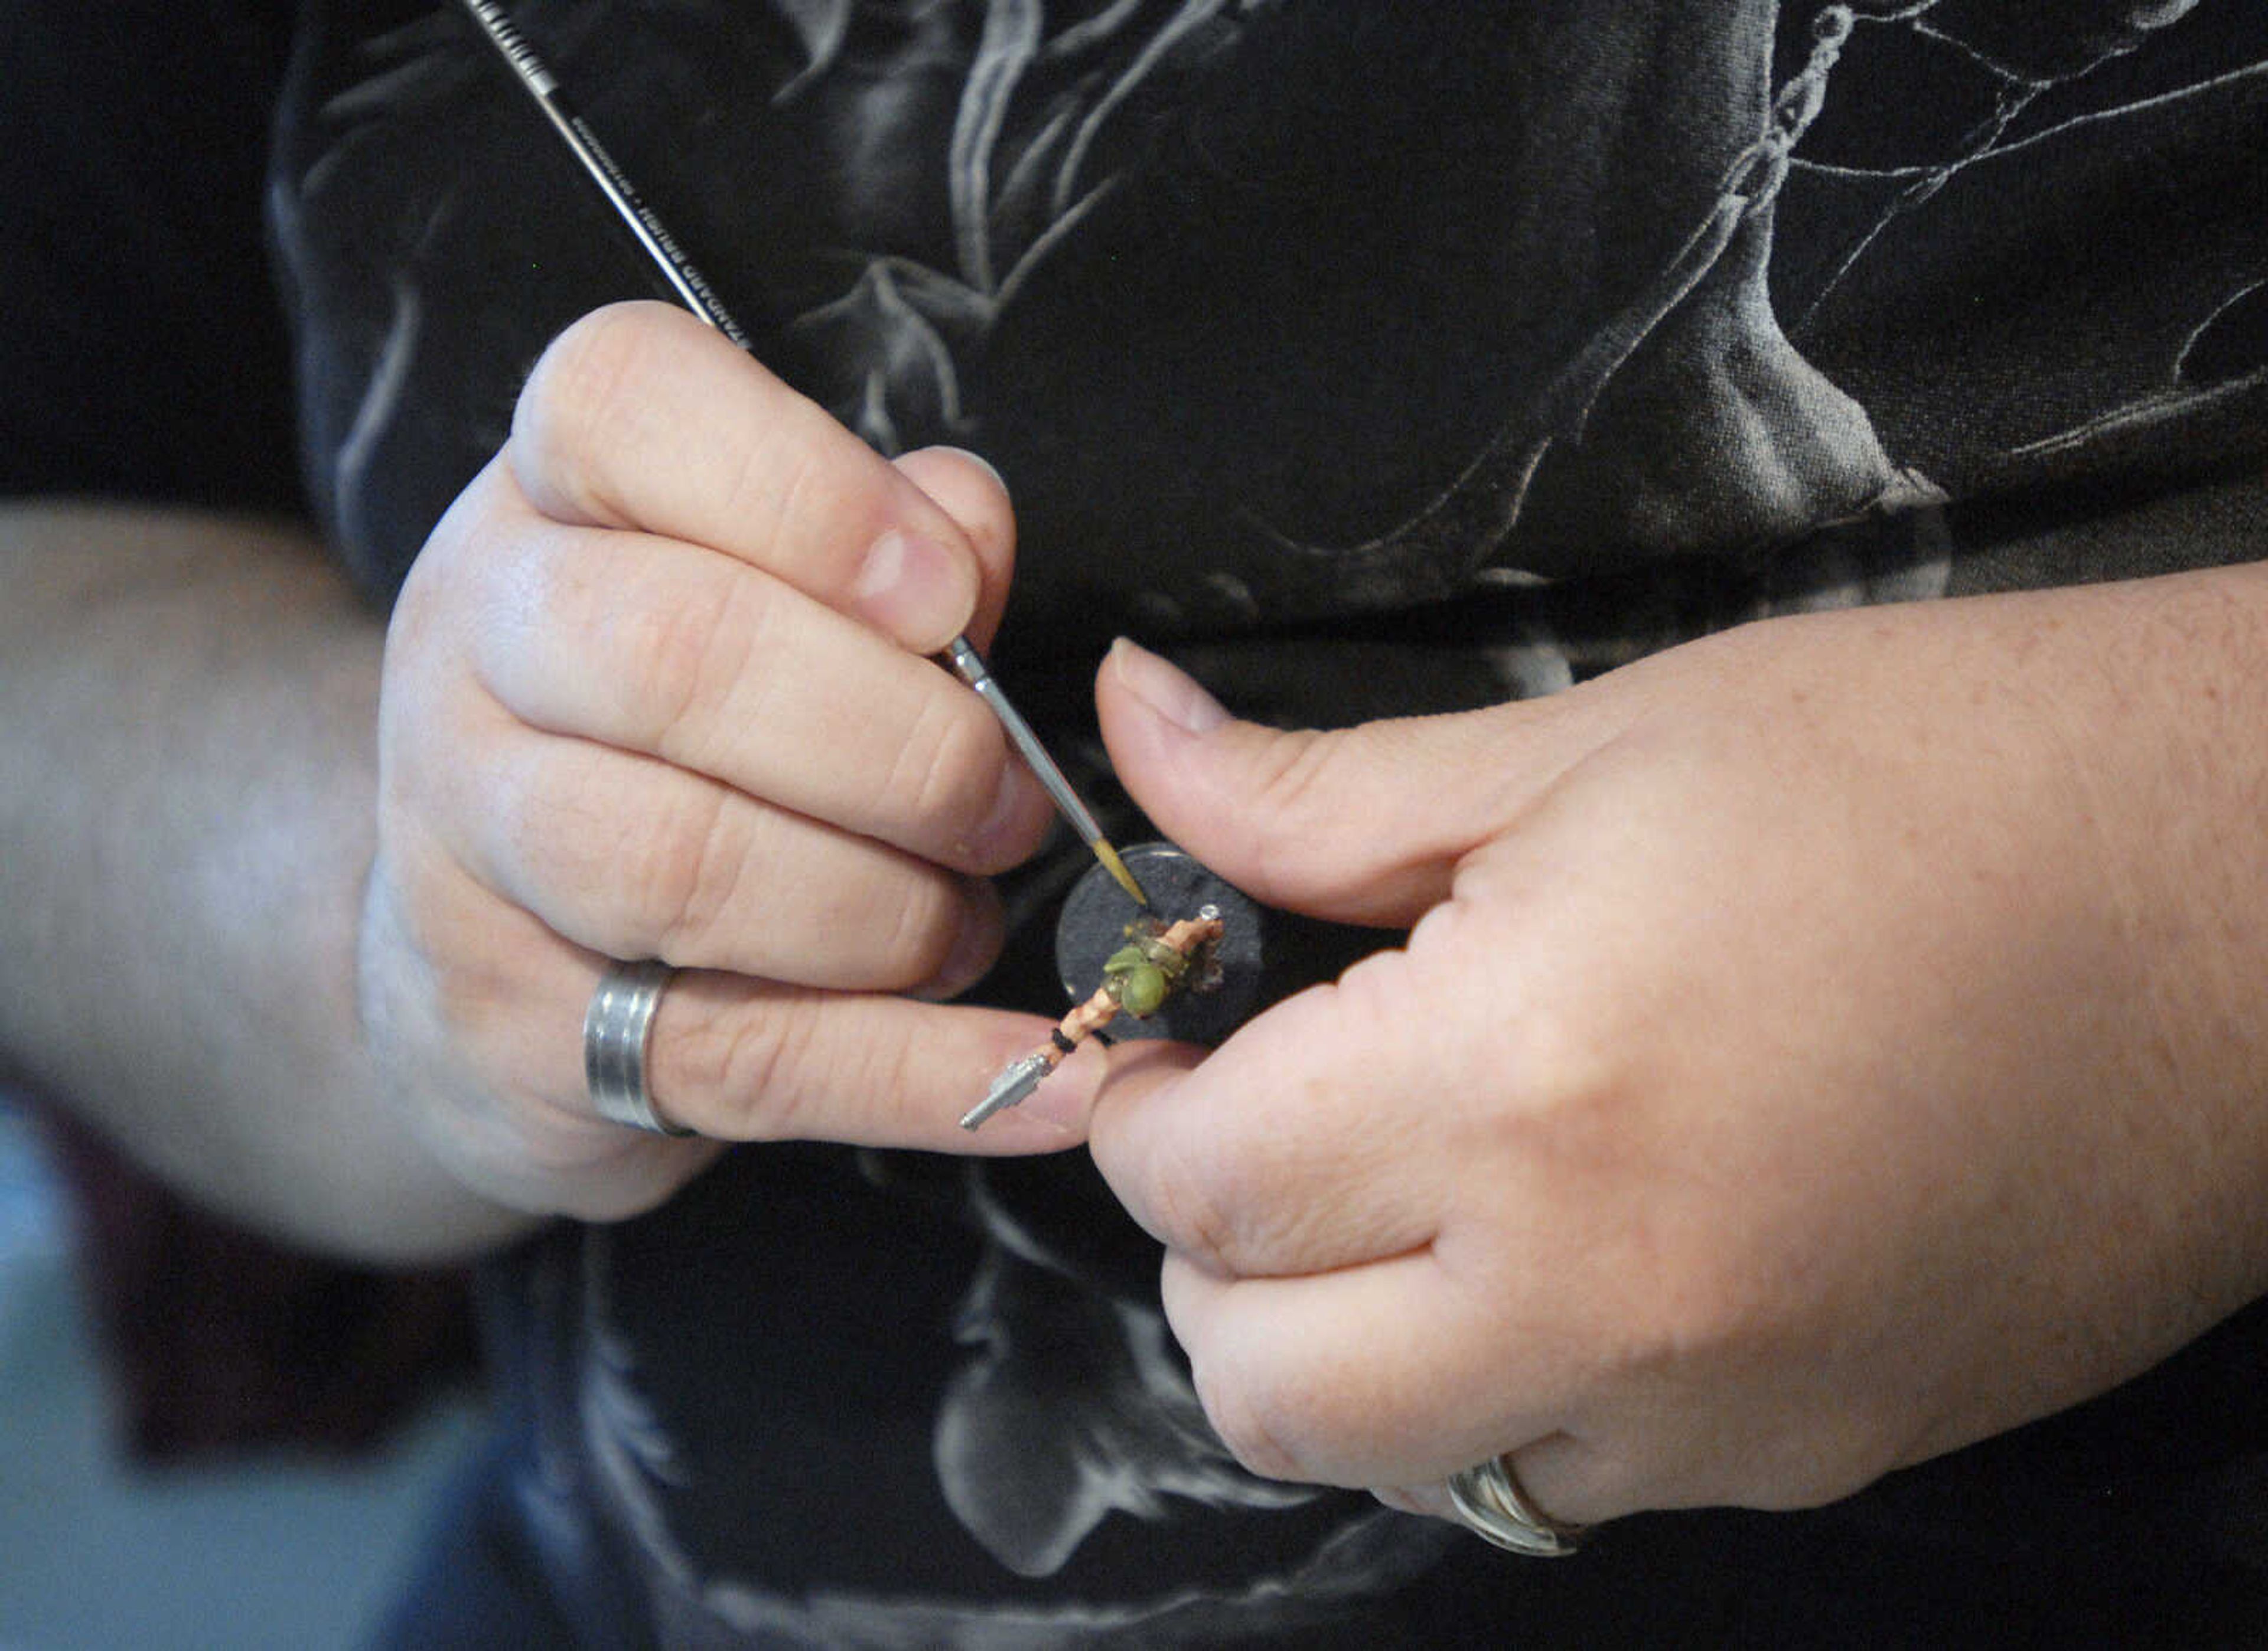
x: 1371, y: 360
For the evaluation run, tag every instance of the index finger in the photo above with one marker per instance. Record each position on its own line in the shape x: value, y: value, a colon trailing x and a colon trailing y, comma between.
x: 640, y: 415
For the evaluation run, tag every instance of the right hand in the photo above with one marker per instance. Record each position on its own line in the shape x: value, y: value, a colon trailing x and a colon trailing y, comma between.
x: 656, y: 688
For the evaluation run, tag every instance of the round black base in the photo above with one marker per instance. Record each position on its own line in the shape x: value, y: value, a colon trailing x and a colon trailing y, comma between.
x: 1093, y: 925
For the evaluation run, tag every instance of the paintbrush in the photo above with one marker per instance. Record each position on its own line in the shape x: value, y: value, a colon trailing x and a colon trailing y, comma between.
x: 697, y: 295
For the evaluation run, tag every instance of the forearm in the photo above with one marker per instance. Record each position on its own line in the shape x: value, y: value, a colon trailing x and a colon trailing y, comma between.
x: 2186, y: 786
x: 2112, y: 787
x: 187, y: 777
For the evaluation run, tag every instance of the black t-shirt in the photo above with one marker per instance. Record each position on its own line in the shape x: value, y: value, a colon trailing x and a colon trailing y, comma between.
x: 1376, y: 359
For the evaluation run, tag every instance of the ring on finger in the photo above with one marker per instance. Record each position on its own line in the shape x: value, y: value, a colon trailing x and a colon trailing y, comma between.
x: 1492, y: 1504
x: 617, y: 1031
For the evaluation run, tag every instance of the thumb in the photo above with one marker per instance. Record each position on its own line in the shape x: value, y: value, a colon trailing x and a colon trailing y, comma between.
x: 1365, y: 825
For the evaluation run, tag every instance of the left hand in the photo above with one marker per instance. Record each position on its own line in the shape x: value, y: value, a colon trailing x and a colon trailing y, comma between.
x: 1818, y: 1048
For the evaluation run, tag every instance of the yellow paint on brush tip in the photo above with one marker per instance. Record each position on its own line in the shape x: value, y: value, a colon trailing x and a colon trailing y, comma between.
x: 1116, y: 867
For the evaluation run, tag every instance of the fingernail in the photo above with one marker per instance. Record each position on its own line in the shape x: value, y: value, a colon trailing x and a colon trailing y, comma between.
x: 1067, y: 1101
x: 1059, y: 1105
x: 914, y: 589
x: 1171, y: 693
x: 982, y: 463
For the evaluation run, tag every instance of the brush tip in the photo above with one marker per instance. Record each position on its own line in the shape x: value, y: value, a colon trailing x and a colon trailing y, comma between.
x: 1116, y: 867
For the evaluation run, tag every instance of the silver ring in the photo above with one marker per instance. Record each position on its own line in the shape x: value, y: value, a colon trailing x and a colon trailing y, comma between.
x: 616, y: 1030
x: 1494, y: 1507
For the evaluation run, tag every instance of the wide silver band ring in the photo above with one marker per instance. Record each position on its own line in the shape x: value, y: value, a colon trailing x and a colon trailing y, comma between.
x: 1494, y: 1506
x: 617, y: 1028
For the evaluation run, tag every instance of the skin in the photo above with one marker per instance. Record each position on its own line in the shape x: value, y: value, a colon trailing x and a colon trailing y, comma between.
x: 1838, y: 1037
x: 1841, y: 1041
x: 655, y: 687
x: 307, y: 911
x: 186, y: 819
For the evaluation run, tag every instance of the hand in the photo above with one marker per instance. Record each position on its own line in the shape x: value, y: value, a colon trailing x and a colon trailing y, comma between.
x: 655, y: 687
x: 1818, y: 1047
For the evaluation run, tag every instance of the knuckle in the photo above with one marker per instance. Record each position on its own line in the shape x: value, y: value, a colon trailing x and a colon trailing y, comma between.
x: 920, y: 928
x: 1625, y: 1476
x: 947, y: 769
x: 1289, y: 774
x: 1253, y: 1424
x: 1301, y: 796
x: 684, y: 656
x: 682, y: 874
x: 1320, y: 801
x: 1691, y: 1319
x: 1569, y: 1074
x: 751, y: 1064
x: 437, y: 978
x: 581, y: 402
x: 521, y: 854
x: 651, y: 879
x: 1797, y: 1468
x: 594, y: 355
x: 786, y: 490
x: 472, y: 1007
x: 1191, y: 1204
